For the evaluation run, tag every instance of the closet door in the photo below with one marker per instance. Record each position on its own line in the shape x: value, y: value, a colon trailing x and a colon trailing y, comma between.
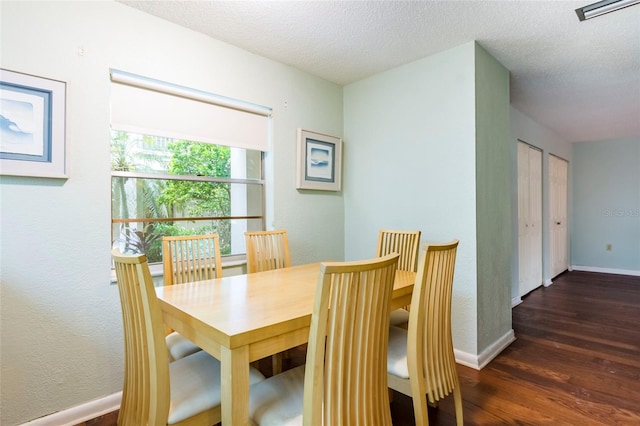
x: 529, y: 217
x: 558, y: 176
x: 524, y: 248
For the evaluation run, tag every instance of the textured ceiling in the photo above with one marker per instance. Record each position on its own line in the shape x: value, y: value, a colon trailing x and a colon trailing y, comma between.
x: 579, y: 79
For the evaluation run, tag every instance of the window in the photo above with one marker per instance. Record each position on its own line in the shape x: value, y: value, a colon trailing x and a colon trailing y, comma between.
x: 183, y: 176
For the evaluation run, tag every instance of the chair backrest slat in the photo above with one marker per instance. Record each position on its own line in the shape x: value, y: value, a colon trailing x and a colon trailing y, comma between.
x: 346, y: 369
x: 405, y: 243
x: 191, y: 258
x: 145, y: 397
x: 430, y: 346
x: 267, y: 250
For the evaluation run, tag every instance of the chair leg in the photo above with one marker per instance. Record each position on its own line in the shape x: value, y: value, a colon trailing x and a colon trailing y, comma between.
x: 276, y: 363
x: 420, y: 409
x: 457, y: 398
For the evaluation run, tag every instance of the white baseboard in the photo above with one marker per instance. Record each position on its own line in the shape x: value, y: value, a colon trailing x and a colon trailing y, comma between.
x: 547, y: 282
x: 478, y: 362
x: 605, y: 270
x: 516, y: 301
x: 99, y: 407
x: 80, y: 413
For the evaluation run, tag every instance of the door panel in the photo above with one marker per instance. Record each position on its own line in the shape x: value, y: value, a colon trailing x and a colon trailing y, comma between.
x: 523, y: 215
x: 529, y: 217
x: 535, y: 208
x: 558, y: 176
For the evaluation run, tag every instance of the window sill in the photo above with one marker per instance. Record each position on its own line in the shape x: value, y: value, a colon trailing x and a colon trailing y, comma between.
x: 156, y: 269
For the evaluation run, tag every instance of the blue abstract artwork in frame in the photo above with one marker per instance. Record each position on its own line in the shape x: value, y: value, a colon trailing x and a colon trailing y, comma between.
x: 319, y: 165
x: 32, y: 126
x: 320, y: 162
x: 25, y: 123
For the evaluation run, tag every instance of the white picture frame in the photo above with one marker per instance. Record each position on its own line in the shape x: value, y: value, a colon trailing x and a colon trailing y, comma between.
x: 319, y: 162
x: 33, y: 126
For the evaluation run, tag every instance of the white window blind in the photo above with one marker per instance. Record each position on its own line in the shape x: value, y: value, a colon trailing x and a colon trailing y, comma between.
x: 147, y: 106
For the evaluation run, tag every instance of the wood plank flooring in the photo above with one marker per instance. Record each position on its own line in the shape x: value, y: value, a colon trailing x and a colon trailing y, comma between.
x: 575, y: 361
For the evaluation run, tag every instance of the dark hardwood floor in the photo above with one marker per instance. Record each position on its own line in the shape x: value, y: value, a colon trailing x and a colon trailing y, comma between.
x: 575, y: 361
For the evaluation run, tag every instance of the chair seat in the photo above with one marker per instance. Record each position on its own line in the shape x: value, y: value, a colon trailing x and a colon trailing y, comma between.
x: 278, y: 400
x: 179, y: 346
x: 397, y: 353
x: 399, y: 316
x: 195, y: 385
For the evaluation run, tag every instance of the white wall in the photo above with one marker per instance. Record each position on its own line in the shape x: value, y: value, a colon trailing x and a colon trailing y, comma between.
x: 527, y: 130
x: 61, y: 330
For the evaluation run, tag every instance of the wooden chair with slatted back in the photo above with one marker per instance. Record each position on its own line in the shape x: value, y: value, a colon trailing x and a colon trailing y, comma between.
x: 155, y: 391
x: 345, y: 376
x: 421, y: 359
x: 191, y: 258
x: 185, y: 259
x: 405, y: 243
x: 267, y: 250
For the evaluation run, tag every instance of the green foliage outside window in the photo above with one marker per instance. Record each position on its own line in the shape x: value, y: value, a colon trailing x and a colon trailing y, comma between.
x: 198, y: 198
x: 143, y: 198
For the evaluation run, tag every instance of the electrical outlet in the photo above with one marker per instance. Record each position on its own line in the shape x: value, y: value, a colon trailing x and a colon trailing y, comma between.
x: 608, y: 247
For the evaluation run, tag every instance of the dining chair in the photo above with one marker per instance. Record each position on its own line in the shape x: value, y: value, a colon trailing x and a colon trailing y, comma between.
x: 421, y: 362
x: 156, y: 391
x: 267, y: 250
x: 344, y: 380
x: 189, y: 258
x: 405, y: 243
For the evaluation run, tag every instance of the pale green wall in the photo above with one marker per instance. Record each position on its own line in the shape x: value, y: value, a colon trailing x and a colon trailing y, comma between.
x: 606, y: 201
x: 431, y: 142
x: 410, y: 141
x: 61, y: 330
x: 493, y: 199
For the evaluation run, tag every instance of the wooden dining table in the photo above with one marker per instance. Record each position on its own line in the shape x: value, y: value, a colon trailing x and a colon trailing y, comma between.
x: 243, y: 318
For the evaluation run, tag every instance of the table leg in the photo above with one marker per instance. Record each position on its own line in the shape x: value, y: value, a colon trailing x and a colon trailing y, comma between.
x: 235, y: 385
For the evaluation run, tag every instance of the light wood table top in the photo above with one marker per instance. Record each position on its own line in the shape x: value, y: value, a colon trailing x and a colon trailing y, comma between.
x: 243, y: 318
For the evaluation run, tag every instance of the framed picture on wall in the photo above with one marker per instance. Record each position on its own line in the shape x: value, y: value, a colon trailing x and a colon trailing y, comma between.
x: 319, y: 164
x: 32, y: 126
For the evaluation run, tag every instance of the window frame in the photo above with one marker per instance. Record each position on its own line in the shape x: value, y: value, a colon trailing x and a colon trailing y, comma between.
x: 164, y: 95
x: 229, y: 260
